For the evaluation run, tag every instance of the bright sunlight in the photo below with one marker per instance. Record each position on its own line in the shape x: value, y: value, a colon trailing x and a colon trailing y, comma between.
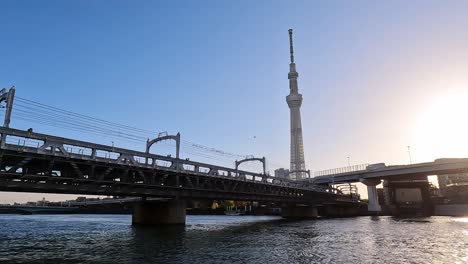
x: 442, y: 129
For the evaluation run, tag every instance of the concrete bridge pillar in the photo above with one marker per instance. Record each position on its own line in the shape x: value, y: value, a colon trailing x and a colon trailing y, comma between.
x: 299, y: 212
x: 373, y: 198
x: 159, y: 213
x: 411, y: 197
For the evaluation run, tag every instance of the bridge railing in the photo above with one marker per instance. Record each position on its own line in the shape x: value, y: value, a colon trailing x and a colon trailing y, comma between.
x: 352, y: 168
x: 31, y: 142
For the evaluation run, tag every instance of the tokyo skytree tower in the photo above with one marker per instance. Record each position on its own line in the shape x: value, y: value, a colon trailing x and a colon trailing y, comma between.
x: 294, y: 100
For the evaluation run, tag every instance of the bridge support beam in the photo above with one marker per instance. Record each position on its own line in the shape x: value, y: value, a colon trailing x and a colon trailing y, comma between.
x: 373, y: 205
x: 159, y: 213
x: 299, y: 212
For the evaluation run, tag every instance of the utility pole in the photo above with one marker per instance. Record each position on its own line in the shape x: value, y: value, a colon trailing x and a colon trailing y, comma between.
x: 8, y: 98
x: 409, y: 154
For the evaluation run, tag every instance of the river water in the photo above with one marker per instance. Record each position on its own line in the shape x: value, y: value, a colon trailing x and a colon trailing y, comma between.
x: 232, y: 239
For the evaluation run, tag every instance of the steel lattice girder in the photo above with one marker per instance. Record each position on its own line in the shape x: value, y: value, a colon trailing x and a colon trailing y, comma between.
x: 44, y: 173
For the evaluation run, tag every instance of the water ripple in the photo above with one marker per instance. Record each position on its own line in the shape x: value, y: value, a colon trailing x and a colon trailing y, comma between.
x: 221, y: 239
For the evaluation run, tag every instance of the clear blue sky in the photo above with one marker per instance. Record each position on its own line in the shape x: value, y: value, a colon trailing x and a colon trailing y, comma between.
x: 216, y: 71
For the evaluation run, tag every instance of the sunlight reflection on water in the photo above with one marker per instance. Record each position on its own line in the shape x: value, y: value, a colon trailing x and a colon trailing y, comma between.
x: 463, y: 219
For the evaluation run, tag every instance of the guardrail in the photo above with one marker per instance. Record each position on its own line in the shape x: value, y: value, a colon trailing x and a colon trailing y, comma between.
x: 353, y: 168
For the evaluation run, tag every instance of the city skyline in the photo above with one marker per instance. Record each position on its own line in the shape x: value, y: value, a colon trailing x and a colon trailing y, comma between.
x: 220, y: 78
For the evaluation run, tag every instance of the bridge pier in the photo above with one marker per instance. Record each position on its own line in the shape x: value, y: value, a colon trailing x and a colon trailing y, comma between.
x: 339, y: 210
x: 373, y: 205
x: 299, y: 212
x: 408, y: 197
x: 159, y: 213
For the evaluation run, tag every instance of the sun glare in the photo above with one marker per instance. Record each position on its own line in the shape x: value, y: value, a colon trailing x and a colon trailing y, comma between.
x: 442, y: 129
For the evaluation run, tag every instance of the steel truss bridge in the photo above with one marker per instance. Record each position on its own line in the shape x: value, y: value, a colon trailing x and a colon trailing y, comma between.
x: 34, y: 162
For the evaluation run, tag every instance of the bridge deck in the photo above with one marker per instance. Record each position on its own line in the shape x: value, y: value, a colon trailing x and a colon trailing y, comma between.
x: 34, y: 162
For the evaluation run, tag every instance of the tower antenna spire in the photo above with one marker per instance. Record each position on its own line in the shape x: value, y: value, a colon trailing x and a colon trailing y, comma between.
x: 291, y: 50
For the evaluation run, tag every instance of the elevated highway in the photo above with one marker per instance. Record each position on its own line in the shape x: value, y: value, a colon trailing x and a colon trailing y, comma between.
x: 396, y: 172
x: 403, y: 178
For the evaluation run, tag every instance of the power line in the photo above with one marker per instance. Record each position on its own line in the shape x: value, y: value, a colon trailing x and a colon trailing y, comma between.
x: 32, y: 111
x: 80, y: 115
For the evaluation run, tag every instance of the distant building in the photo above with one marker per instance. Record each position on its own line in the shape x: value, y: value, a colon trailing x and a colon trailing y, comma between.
x: 453, y: 184
x: 282, y: 173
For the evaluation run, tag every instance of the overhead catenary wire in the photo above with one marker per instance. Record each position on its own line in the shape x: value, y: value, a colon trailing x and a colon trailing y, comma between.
x: 70, y: 113
x: 39, y: 113
x: 122, y: 129
x: 79, y: 129
x: 193, y: 152
x: 54, y: 116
